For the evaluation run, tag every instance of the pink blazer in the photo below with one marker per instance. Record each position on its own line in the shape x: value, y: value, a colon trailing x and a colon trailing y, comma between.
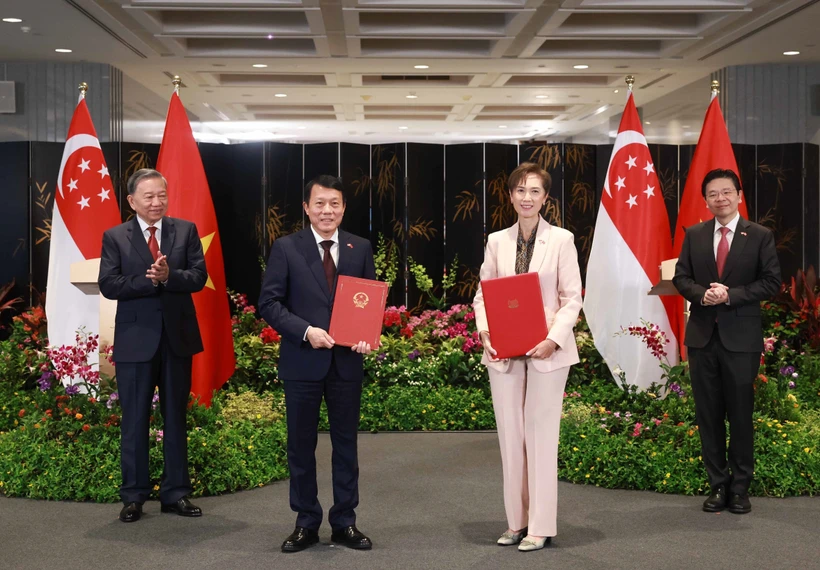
x: 555, y: 259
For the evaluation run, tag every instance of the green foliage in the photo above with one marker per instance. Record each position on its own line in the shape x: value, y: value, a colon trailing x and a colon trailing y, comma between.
x: 386, y: 260
x: 72, y: 452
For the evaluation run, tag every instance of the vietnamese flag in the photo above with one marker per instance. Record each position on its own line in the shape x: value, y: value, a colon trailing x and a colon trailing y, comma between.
x: 714, y: 150
x: 189, y: 198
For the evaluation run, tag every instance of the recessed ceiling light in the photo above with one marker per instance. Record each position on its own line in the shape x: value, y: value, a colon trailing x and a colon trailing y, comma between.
x: 791, y: 52
x: 616, y: 91
x: 542, y: 96
x: 422, y: 66
x: 502, y: 126
x: 62, y: 50
x: 402, y: 128
x: 270, y: 36
x: 280, y: 95
x: 685, y: 126
x: 580, y: 66
x: 12, y: 20
x: 411, y: 96
x: 260, y: 65
x: 647, y: 123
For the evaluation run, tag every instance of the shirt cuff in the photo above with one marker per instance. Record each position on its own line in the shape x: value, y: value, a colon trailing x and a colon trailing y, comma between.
x: 304, y: 337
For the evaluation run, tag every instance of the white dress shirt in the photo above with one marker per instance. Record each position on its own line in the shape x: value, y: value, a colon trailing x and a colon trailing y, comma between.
x: 730, y: 235
x: 144, y: 227
x: 334, y: 253
x: 334, y: 249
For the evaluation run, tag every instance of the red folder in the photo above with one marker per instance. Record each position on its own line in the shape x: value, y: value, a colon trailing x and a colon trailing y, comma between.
x: 515, y: 314
x: 358, y: 311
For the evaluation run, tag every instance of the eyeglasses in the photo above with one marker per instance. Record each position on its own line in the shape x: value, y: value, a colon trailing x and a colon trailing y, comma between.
x: 726, y: 193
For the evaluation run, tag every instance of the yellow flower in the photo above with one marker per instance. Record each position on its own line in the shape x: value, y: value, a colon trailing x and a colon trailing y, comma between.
x: 204, y: 444
x: 37, y: 426
x: 424, y: 411
x: 78, y: 416
x: 472, y: 405
x: 668, y: 475
x: 156, y: 487
x: 258, y: 416
x: 587, y: 475
x: 444, y: 421
x: 583, y: 436
x: 472, y: 418
x: 807, y: 449
x: 576, y: 449
x: 789, y: 442
x: 785, y: 435
x: 250, y: 447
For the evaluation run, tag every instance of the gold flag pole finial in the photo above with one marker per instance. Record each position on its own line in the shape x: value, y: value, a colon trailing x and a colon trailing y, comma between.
x: 630, y: 81
x: 176, y: 82
x: 715, y: 87
x: 83, y: 87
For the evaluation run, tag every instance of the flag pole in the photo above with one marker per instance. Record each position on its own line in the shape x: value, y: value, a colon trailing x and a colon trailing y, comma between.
x: 715, y: 88
x: 83, y: 87
x: 176, y: 82
x: 630, y: 81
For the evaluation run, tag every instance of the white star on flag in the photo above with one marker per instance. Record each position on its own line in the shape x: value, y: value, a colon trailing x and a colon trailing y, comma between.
x: 631, y: 162
x: 650, y: 191
x: 103, y: 172
x: 649, y: 168
x: 84, y: 165
x: 83, y: 203
x: 633, y: 201
x: 72, y: 185
x: 104, y: 195
x: 621, y: 182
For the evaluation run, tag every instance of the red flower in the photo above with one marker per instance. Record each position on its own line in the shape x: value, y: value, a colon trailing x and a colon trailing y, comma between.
x: 269, y: 335
x: 22, y: 413
x: 407, y: 332
x: 86, y: 427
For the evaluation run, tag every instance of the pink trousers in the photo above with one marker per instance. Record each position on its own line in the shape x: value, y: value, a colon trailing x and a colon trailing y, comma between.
x: 527, y: 406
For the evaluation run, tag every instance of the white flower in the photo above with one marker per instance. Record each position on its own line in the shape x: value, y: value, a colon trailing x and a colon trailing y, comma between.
x: 617, y: 371
x: 794, y: 374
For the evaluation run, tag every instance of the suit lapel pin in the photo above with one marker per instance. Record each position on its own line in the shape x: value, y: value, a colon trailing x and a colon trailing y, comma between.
x: 743, y: 233
x: 350, y: 245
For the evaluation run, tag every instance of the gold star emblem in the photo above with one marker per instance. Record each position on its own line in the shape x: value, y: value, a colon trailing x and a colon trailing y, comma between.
x: 206, y: 243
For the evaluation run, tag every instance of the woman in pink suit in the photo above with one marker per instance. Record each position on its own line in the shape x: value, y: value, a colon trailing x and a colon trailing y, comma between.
x: 528, y: 391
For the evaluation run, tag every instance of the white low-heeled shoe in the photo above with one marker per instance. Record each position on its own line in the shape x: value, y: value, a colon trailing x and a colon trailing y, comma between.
x: 529, y: 544
x: 510, y: 538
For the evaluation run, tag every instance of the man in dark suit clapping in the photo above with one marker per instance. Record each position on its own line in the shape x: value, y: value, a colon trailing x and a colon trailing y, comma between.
x: 155, y: 338
x: 296, y: 300
x: 727, y: 266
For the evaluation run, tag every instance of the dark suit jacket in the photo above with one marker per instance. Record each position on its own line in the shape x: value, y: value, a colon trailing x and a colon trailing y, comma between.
x: 752, y: 273
x: 142, y: 309
x: 295, y: 295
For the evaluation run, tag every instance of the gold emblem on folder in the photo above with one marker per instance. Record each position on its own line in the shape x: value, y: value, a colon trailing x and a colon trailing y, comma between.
x: 361, y: 300
x: 512, y: 303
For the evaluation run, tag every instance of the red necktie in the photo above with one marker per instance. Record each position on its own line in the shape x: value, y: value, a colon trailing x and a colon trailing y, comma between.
x: 153, y: 246
x: 327, y: 263
x: 722, y: 251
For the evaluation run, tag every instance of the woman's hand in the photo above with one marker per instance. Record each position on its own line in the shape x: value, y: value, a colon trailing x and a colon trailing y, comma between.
x: 543, y: 349
x: 488, y: 348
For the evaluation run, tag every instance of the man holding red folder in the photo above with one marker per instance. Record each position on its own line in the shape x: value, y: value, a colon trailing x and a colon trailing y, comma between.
x: 297, y: 300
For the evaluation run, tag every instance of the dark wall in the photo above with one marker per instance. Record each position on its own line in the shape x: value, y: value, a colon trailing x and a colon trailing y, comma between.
x: 433, y: 201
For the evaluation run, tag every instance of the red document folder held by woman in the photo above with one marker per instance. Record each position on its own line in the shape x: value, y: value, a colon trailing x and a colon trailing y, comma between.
x: 515, y: 314
x: 358, y: 311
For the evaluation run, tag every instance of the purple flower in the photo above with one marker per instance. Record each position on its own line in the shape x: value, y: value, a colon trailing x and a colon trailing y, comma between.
x: 45, y: 381
x: 160, y: 434
x: 787, y: 370
x: 791, y: 385
x: 154, y: 400
x: 381, y: 357
x: 617, y: 414
x: 111, y: 399
x: 414, y: 355
x: 72, y: 389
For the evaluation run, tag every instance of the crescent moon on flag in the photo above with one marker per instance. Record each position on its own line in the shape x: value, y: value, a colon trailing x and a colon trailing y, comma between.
x: 623, y: 139
x: 72, y: 145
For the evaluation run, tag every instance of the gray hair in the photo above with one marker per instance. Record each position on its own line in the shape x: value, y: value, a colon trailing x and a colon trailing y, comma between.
x: 143, y: 174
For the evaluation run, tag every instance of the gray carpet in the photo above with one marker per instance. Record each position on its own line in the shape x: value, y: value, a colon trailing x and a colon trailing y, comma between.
x: 427, y: 501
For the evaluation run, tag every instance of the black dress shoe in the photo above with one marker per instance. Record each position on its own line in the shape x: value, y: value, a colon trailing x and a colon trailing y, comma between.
x: 131, y: 512
x: 352, y: 538
x: 716, y: 501
x: 183, y: 507
x: 300, y: 539
x: 739, y: 504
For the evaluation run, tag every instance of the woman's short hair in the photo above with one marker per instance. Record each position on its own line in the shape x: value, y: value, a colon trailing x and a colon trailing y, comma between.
x: 519, y: 175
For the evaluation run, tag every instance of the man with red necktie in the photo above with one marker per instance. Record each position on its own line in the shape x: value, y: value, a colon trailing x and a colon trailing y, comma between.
x: 151, y: 265
x: 727, y: 266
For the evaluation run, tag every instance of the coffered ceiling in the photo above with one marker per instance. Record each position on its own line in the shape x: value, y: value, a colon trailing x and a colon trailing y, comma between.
x: 381, y: 70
